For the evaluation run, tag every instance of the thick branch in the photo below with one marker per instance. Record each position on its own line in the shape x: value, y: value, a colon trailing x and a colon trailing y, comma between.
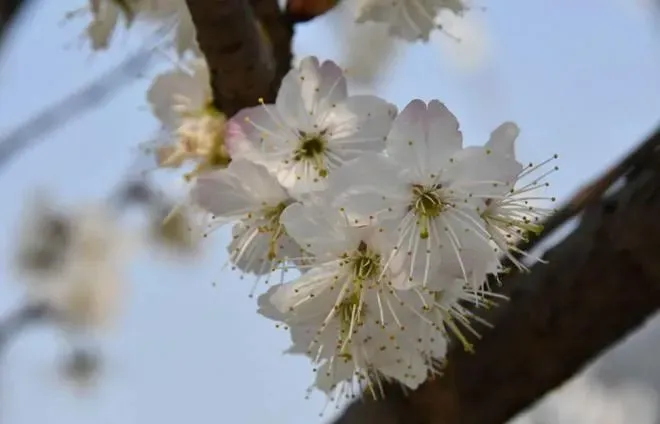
x: 602, y: 282
x: 9, y: 10
x: 245, y: 56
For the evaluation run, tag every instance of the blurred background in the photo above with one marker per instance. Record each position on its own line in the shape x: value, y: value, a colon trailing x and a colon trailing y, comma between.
x: 582, y: 79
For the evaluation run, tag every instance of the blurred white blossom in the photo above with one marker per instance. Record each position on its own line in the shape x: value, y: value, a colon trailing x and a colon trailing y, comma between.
x: 367, y: 49
x: 409, y: 19
x: 468, y: 46
x: 194, y: 130
x: 170, y: 17
x: 72, y: 260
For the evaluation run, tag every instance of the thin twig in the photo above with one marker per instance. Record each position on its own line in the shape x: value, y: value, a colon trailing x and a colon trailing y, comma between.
x: 18, y: 320
x: 58, y: 114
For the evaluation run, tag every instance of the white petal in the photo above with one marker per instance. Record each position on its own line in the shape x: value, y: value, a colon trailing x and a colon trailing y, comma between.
x: 411, y: 371
x: 360, y: 124
x: 361, y: 185
x: 444, y: 137
x: 321, y: 85
x: 290, y: 103
x: 240, y: 188
x: 477, y: 171
x: 266, y: 307
x: 258, y: 134
x: 328, y: 377
x: 503, y: 138
x: 168, y: 90
x: 294, y: 298
x: 317, y: 228
x: 406, y: 142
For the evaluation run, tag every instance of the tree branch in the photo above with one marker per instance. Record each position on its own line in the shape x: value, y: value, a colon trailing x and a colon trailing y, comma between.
x: 602, y: 282
x: 58, y: 114
x: 14, y: 323
x: 247, y: 51
x: 9, y: 10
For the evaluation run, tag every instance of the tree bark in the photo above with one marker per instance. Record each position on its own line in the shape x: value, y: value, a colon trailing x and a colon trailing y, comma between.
x: 248, y: 51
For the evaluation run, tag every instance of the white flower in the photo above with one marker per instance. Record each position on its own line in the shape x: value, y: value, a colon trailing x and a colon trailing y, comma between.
x: 247, y: 193
x: 347, y: 342
x: 313, y: 127
x: 168, y: 15
x: 72, y: 261
x: 409, y: 19
x: 182, y: 100
x: 513, y: 213
x: 427, y: 191
x: 345, y: 313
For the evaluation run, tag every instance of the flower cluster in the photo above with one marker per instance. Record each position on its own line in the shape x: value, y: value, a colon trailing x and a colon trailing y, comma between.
x: 171, y: 17
x: 389, y: 222
x: 72, y: 262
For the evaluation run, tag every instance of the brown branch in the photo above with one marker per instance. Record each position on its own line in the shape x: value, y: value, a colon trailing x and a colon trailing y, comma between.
x: 243, y: 60
x: 279, y: 30
x: 602, y: 282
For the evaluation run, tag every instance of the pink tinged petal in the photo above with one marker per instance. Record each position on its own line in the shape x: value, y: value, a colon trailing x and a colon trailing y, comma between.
x: 406, y: 142
x: 238, y: 139
x: 503, y: 138
x: 360, y: 123
x: 260, y: 135
x: 259, y: 182
x: 444, y: 137
x: 317, y: 229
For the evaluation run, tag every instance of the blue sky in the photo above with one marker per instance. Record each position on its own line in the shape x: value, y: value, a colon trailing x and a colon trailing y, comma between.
x: 580, y: 78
